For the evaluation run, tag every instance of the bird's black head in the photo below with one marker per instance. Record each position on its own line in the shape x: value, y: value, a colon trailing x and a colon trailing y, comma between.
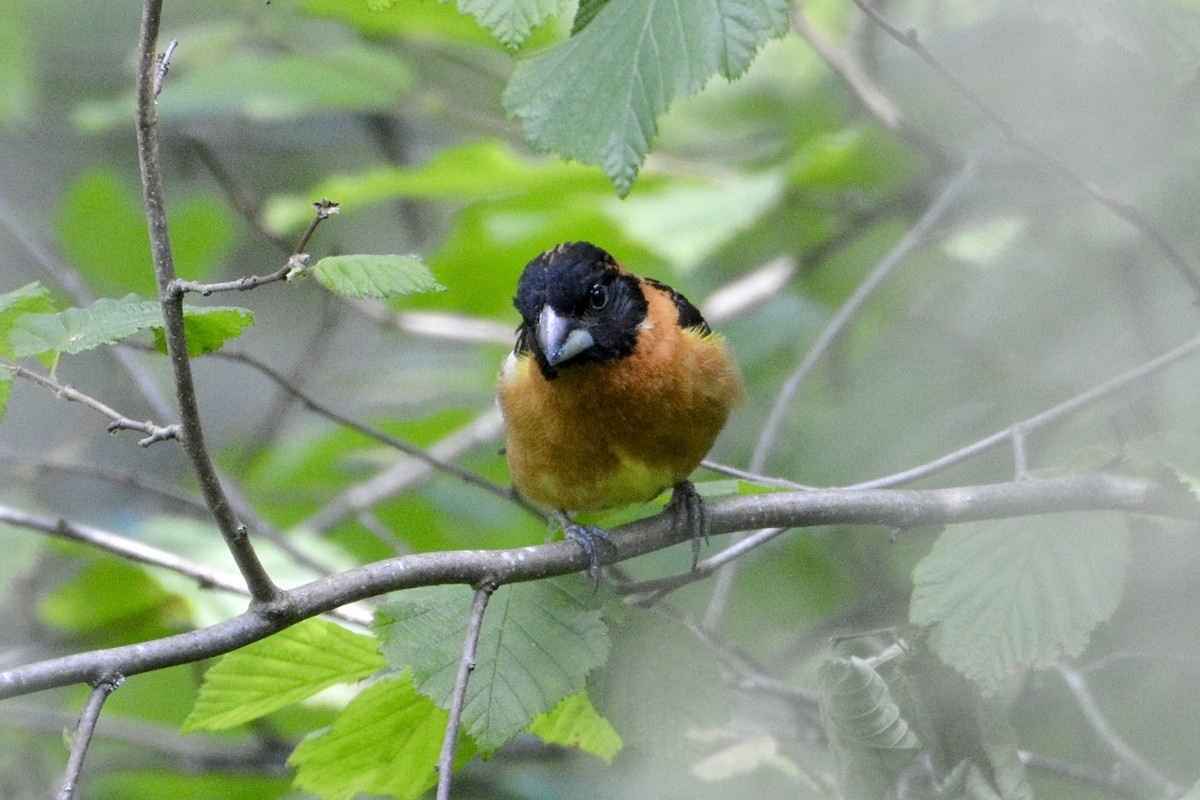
x: 577, y: 306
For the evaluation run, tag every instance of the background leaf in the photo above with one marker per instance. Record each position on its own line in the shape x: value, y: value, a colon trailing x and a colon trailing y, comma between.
x: 385, y: 742
x: 870, y: 738
x: 538, y: 642
x: 1009, y: 595
x: 597, y: 97
x: 574, y: 722
x: 290, y: 666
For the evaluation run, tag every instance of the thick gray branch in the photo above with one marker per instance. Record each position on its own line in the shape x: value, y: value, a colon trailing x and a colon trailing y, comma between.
x: 889, y: 508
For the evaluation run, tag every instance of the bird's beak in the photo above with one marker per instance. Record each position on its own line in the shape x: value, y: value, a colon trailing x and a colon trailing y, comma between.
x: 560, y: 337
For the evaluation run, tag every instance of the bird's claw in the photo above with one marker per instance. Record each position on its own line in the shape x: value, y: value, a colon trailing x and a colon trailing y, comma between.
x: 591, y: 538
x: 688, y: 508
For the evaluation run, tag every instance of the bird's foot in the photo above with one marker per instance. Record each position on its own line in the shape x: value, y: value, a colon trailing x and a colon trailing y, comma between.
x: 591, y: 538
x: 688, y: 508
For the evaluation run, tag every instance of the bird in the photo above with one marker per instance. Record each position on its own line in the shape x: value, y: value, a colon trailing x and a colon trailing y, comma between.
x: 615, y: 391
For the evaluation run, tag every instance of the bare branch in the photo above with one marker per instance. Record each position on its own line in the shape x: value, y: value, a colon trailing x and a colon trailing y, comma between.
x: 848, y: 69
x: 399, y: 478
x: 82, y: 737
x: 295, y: 264
x: 893, y: 508
x: 384, y: 438
x: 466, y: 665
x: 1131, y: 379
x: 1128, y: 757
x: 154, y: 432
x: 909, y: 39
x: 142, y: 553
x: 945, y: 200
x: 191, y: 432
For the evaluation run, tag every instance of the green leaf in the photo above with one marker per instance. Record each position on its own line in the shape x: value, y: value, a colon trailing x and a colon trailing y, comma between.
x: 538, y: 642
x: 107, y: 321
x: 511, y: 21
x: 30, y: 298
x: 574, y: 722
x: 685, y: 223
x: 375, y: 276
x: 587, y: 11
x: 208, y: 328
x: 103, y: 230
x: 870, y: 739
x: 596, y: 98
x: 87, y: 603
x: 290, y: 666
x: 1013, y: 594
x: 77, y: 329
x: 385, y: 742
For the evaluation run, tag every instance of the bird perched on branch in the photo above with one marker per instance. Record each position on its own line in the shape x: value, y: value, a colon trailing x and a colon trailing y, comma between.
x: 615, y: 391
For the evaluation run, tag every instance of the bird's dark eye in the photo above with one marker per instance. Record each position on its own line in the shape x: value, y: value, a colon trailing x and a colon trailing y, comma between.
x: 597, y: 297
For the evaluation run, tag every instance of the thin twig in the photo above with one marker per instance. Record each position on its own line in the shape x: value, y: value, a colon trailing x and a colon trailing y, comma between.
x: 380, y: 436
x: 722, y: 590
x: 1132, y: 379
x: 295, y: 264
x: 848, y: 69
x: 909, y: 39
x: 1128, y: 757
x: 142, y: 553
x: 486, y: 427
x: 262, y: 588
x: 837, y: 325
x: 238, y: 199
x: 893, y: 508
x: 82, y: 737
x: 154, y: 432
x: 466, y: 665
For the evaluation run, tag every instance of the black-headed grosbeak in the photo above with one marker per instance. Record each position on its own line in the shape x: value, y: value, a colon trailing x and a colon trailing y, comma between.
x: 615, y: 391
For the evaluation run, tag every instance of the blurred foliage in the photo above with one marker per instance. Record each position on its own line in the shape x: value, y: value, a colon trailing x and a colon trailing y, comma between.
x: 760, y: 185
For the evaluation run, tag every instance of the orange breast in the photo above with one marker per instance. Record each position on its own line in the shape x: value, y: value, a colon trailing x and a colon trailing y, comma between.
x: 606, y: 435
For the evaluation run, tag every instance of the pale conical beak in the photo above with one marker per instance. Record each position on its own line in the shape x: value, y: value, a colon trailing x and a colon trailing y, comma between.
x: 561, y: 337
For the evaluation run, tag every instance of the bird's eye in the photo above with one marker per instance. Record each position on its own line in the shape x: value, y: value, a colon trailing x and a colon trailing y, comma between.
x: 597, y: 297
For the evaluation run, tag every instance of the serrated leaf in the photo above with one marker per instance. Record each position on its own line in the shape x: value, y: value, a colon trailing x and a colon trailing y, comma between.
x: 538, y: 643
x: 386, y: 741
x: 587, y: 11
x: 596, y: 98
x: 208, y: 328
x: 574, y: 722
x: 286, y: 668
x: 77, y: 329
x: 375, y: 276
x: 30, y: 298
x: 511, y: 21
x: 1020, y: 593
x: 870, y: 739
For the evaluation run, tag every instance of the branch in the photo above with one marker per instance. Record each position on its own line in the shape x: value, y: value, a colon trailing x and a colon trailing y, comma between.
x: 466, y: 666
x: 909, y: 39
x: 427, y: 457
x: 120, y: 422
x: 142, y: 553
x: 295, y: 263
x: 1132, y: 379
x: 1127, y: 756
x: 149, y: 76
x: 82, y: 736
x: 890, y: 508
